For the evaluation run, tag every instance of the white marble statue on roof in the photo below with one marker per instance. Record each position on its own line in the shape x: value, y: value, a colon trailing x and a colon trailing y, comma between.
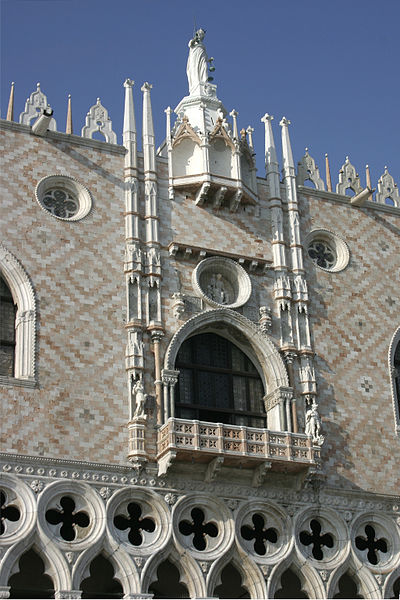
x: 197, y: 63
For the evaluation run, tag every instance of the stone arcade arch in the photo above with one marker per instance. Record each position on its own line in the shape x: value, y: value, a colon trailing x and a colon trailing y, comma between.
x: 366, y: 584
x: 25, y: 321
x: 310, y: 579
x: 190, y: 573
x: 124, y: 570
x: 247, y: 336
x: 395, y: 377
x: 55, y: 565
x: 252, y: 577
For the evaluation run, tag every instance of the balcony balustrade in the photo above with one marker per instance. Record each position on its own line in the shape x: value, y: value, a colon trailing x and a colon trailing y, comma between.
x: 247, y: 447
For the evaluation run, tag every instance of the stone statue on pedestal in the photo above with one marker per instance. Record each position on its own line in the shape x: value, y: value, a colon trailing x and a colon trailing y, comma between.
x: 140, y: 398
x: 197, y: 64
x: 313, y: 424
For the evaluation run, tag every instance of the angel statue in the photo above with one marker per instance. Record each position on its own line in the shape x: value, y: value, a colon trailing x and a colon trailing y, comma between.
x: 197, y: 63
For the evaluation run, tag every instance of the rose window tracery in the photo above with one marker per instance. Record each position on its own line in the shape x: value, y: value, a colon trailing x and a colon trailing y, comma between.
x: 322, y: 254
x: 60, y: 203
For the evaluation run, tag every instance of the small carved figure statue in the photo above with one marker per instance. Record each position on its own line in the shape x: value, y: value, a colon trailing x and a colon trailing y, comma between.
x: 313, y: 424
x: 219, y: 290
x: 140, y: 399
x: 216, y: 290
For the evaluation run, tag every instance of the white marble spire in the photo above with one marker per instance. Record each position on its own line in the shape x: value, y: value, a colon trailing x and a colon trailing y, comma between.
x: 288, y: 163
x: 129, y: 131
x: 271, y: 160
x: 149, y: 154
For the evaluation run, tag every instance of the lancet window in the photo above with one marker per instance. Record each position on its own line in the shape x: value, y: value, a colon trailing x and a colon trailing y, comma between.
x: 7, y: 330
x: 218, y: 383
x: 394, y: 366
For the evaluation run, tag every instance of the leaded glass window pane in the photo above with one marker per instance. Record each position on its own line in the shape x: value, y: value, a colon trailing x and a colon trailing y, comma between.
x: 218, y: 383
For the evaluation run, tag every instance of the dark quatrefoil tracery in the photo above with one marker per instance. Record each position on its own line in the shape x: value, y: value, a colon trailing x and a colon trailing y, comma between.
x: 8, y: 513
x: 259, y: 534
x: 135, y: 524
x: 60, y: 203
x: 321, y: 254
x: 199, y: 528
x: 372, y: 543
x: 68, y: 518
x: 316, y: 539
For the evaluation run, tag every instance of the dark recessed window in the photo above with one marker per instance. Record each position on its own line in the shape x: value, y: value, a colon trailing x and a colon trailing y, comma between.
x: 218, y: 383
x: 397, y: 373
x: 7, y: 330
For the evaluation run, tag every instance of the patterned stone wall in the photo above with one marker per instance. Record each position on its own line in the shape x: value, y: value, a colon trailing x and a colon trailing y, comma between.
x: 79, y: 406
x: 354, y: 314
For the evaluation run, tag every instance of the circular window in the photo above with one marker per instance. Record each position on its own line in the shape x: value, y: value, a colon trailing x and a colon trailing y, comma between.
x: 327, y: 250
x: 63, y: 197
x: 221, y: 282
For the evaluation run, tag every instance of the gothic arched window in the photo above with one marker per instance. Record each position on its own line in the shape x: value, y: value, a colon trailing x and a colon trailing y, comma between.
x: 17, y: 323
x: 7, y: 330
x: 394, y: 366
x: 218, y: 383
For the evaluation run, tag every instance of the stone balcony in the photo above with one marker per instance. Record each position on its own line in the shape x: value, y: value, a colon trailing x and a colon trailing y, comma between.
x: 217, y: 444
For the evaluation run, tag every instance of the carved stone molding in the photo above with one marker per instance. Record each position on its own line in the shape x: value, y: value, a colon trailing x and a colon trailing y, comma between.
x: 221, y: 282
x: 97, y: 119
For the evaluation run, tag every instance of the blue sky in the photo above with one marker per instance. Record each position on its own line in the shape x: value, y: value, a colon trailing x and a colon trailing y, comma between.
x: 330, y: 66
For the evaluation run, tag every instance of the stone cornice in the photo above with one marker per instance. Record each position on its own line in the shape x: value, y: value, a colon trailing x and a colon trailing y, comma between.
x: 64, y: 137
x: 339, y: 198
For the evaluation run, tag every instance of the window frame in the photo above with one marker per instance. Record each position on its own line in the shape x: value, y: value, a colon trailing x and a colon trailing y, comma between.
x: 228, y: 413
x: 23, y: 296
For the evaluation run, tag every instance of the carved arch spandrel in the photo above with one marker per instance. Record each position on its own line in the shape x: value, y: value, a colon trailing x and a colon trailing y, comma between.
x: 123, y: 565
x: 252, y: 577
x: 219, y: 132
x: 22, y: 292
x: 273, y: 368
x: 311, y: 581
x: 55, y: 565
x: 190, y: 573
x: 185, y: 131
x: 367, y: 586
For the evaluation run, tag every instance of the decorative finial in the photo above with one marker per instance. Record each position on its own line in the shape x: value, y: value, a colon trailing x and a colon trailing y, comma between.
x: 284, y: 121
x: 10, y: 109
x: 367, y: 176
x: 128, y: 82
x: 266, y: 118
x: 68, y: 126
x: 306, y: 150
x: 328, y: 174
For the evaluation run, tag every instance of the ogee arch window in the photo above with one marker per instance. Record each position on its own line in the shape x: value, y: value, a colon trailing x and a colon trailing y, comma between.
x: 218, y: 383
